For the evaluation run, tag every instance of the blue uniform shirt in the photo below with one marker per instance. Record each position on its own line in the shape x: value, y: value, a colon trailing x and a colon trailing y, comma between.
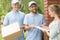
x: 13, y: 17
x: 37, y: 19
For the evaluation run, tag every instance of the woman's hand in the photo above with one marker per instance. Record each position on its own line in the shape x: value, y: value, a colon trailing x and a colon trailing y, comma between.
x: 48, y: 33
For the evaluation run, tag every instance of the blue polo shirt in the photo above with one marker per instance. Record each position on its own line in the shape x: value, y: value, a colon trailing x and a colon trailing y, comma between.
x: 37, y: 19
x: 13, y: 17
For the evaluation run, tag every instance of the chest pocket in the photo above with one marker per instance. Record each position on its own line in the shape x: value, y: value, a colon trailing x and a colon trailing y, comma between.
x: 34, y: 21
x: 14, y: 18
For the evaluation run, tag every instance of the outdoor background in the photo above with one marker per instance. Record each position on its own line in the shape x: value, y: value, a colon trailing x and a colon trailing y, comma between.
x: 5, y: 7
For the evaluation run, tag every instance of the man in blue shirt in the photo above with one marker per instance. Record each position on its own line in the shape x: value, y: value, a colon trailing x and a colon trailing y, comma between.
x: 31, y: 20
x: 15, y: 16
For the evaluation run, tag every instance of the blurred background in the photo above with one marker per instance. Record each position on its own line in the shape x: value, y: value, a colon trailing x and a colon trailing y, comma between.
x: 5, y: 7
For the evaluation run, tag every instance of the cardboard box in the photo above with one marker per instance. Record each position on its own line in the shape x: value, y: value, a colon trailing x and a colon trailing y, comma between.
x: 13, y: 36
x: 11, y: 32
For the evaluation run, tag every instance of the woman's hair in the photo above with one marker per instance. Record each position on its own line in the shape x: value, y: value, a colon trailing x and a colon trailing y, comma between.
x: 55, y: 8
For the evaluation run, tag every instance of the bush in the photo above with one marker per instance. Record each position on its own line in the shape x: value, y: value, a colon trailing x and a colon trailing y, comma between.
x: 5, y: 6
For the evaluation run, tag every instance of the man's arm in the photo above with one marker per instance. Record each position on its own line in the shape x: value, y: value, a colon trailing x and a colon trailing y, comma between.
x: 26, y: 27
x: 43, y: 20
x: 6, y: 21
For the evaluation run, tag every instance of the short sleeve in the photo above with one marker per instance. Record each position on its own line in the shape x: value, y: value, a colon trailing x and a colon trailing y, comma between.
x: 26, y: 20
x: 43, y: 20
x: 55, y: 30
x: 6, y: 20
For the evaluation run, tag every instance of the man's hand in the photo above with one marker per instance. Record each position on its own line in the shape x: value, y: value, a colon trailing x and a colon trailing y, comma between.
x: 46, y: 27
x: 29, y: 27
x: 32, y: 26
x: 43, y: 26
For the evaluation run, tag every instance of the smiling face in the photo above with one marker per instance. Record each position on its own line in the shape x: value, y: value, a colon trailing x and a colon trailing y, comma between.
x: 50, y: 13
x: 54, y: 11
x: 33, y: 8
x: 15, y: 6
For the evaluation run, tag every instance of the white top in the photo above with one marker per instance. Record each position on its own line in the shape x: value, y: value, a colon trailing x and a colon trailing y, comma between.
x: 55, y: 30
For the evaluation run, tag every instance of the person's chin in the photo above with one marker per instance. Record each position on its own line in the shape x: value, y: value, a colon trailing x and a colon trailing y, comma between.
x: 16, y: 9
x: 51, y: 16
x: 34, y: 11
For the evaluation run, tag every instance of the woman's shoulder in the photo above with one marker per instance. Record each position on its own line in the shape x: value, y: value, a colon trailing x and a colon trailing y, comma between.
x: 54, y: 23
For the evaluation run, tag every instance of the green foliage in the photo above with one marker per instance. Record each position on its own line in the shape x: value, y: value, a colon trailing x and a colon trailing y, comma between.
x: 1, y: 37
x: 0, y: 34
x: 40, y: 4
x: 5, y: 6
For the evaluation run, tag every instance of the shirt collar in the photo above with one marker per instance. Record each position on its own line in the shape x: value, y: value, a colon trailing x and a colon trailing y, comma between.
x: 33, y: 14
x: 15, y: 12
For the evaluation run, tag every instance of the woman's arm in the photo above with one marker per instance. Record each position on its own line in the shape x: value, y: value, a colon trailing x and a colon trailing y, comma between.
x: 47, y: 29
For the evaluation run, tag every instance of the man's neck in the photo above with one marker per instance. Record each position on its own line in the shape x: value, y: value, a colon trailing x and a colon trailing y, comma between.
x: 15, y: 10
x: 34, y: 13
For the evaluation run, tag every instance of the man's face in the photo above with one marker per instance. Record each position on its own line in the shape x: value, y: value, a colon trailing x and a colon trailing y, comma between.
x: 15, y: 6
x: 33, y: 8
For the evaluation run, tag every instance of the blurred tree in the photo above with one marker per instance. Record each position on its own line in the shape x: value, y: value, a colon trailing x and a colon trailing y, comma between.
x: 5, y: 6
x: 40, y: 4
